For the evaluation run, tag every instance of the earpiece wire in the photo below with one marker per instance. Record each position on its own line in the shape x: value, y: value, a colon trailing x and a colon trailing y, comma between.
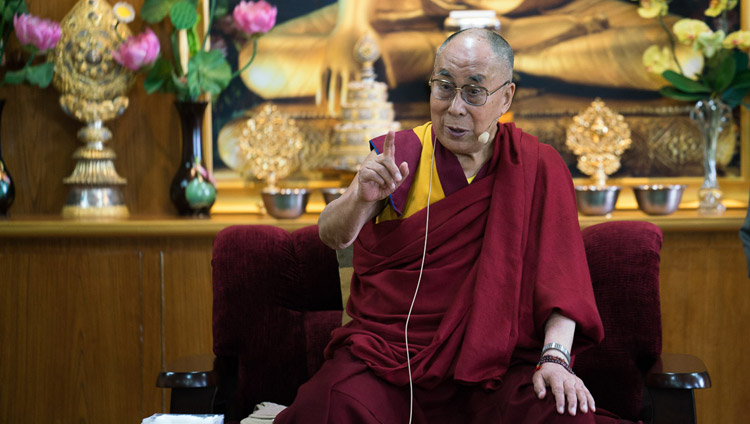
x: 416, y: 290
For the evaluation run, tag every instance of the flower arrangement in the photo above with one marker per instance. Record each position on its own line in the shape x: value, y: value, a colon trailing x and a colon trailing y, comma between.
x: 719, y: 68
x: 193, y: 69
x: 37, y: 36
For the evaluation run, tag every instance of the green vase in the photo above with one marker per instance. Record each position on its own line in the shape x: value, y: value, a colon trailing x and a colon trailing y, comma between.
x: 7, y: 188
x: 191, y: 192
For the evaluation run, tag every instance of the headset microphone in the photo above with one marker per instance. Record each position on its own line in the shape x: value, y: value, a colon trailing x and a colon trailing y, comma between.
x: 485, y: 136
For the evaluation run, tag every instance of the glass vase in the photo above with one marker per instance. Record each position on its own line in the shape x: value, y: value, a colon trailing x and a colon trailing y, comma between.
x: 7, y: 188
x: 192, y: 191
x: 712, y: 117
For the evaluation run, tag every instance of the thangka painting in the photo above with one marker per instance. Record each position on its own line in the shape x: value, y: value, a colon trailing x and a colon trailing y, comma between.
x: 567, y: 54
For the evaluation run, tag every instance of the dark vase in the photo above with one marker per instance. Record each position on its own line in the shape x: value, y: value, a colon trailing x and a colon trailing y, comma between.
x: 7, y: 188
x: 192, y: 191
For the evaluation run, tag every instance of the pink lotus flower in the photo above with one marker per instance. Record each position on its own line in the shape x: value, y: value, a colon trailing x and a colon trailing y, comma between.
x: 254, y: 17
x: 42, y: 33
x: 138, y: 51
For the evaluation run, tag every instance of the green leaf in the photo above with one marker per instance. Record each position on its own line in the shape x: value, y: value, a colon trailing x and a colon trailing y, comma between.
x: 725, y: 74
x: 741, y: 77
x: 32, y: 49
x: 676, y: 94
x: 684, y: 83
x: 745, y: 84
x: 176, y: 52
x: 734, y: 95
x: 221, y: 8
x: 183, y: 15
x: 740, y: 61
x: 180, y: 88
x: 159, y: 77
x: 15, y: 77
x: 40, y: 75
x: 194, y: 42
x: 154, y: 11
x: 13, y: 7
x: 208, y: 72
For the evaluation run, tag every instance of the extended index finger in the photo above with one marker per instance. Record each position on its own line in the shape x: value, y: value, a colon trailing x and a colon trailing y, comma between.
x: 389, y: 147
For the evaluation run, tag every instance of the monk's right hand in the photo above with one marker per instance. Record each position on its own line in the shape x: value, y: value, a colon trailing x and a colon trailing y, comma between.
x: 378, y: 176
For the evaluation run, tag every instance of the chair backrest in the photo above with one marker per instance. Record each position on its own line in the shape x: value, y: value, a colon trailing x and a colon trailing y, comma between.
x: 277, y: 298
x: 623, y: 258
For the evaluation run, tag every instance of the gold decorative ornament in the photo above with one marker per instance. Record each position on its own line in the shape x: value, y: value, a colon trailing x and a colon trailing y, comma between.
x: 598, y: 137
x: 269, y: 145
x: 315, y: 128
x: 459, y: 20
x: 92, y: 87
x: 365, y: 114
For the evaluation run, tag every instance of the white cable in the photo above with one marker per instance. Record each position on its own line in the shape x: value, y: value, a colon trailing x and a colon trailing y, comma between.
x: 419, y: 280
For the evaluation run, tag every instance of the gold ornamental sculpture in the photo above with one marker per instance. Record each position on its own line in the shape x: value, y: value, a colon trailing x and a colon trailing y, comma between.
x: 269, y: 145
x: 92, y: 87
x: 598, y: 137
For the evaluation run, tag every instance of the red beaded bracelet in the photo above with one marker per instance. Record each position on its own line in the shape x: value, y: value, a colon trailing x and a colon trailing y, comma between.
x: 555, y: 360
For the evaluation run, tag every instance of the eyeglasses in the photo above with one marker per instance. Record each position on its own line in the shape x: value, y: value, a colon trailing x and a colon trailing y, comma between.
x: 474, y: 95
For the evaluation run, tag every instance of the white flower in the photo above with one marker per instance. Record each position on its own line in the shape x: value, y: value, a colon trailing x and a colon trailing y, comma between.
x: 124, y: 12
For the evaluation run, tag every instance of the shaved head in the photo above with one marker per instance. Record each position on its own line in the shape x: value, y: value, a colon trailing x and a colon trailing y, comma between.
x: 502, y: 51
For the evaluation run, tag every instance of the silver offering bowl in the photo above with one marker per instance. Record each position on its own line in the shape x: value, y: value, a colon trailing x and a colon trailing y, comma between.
x: 331, y: 194
x: 659, y: 199
x: 285, y: 203
x: 596, y: 200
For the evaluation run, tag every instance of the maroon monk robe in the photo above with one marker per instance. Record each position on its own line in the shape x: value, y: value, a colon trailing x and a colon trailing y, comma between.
x: 503, y: 253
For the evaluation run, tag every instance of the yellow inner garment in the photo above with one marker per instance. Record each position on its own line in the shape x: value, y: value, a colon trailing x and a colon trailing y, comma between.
x: 418, y: 192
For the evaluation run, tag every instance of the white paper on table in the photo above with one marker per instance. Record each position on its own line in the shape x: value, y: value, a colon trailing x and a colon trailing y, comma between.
x: 183, y: 419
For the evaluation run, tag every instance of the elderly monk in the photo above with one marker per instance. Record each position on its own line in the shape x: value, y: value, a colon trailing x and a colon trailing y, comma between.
x: 504, y: 279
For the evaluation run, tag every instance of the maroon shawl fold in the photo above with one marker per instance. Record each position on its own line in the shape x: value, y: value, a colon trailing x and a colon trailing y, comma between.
x: 503, y: 253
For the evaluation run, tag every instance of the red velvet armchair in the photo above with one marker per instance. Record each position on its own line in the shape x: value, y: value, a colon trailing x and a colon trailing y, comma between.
x: 277, y: 297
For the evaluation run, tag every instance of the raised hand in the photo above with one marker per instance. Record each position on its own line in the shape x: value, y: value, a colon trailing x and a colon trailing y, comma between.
x: 378, y: 176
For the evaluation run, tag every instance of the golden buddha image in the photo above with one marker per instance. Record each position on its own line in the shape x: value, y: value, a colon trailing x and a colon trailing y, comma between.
x: 567, y: 53
x: 591, y: 42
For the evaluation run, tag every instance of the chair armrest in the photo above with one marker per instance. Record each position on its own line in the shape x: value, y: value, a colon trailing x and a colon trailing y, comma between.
x: 189, y: 373
x: 678, y: 371
x: 669, y: 388
x: 193, y: 381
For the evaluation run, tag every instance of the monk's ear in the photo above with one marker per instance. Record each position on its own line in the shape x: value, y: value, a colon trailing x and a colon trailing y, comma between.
x: 508, y: 97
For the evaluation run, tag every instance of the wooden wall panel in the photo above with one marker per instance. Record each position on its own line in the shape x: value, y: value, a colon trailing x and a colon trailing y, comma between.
x: 75, y: 325
x: 188, y: 298
x: 87, y: 324
x: 705, y: 297
x: 153, y: 399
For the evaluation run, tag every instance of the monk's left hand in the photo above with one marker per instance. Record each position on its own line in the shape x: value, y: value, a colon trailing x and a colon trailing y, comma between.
x: 567, y: 388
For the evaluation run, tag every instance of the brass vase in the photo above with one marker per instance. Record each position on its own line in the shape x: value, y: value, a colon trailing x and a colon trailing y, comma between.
x: 92, y: 90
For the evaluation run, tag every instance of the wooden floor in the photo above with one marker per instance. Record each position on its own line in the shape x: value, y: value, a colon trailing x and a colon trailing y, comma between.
x: 89, y: 313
